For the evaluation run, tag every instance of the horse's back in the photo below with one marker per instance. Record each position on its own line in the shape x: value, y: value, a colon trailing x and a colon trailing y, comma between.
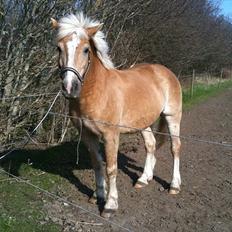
x: 146, y: 89
x: 157, y: 72
x: 156, y: 77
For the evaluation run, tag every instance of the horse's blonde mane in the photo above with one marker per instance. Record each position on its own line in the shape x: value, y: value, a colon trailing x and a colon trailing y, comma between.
x: 78, y: 23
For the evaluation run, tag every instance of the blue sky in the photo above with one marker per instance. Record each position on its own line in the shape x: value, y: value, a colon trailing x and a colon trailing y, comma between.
x: 226, y: 6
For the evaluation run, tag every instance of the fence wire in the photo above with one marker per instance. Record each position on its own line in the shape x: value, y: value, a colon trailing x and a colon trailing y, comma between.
x: 27, y: 96
x: 54, y: 196
x: 25, y: 142
x: 190, y: 138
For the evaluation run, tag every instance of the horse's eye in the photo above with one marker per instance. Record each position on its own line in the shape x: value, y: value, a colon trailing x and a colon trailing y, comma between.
x: 86, y: 50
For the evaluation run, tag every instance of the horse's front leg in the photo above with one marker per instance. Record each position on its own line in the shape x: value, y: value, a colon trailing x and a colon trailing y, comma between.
x: 111, y: 150
x: 100, y: 192
x: 92, y: 143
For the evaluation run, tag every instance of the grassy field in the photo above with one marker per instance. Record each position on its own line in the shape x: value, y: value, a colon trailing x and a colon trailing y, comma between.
x: 203, y: 91
x: 22, y: 207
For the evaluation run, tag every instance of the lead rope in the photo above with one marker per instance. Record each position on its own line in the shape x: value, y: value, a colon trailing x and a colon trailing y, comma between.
x: 79, y: 140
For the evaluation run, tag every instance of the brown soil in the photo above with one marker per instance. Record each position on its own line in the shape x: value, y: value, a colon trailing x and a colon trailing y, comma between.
x: 205, y: 200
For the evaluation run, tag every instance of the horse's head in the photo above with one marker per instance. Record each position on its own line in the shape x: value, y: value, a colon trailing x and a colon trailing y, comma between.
x: 74, y: 46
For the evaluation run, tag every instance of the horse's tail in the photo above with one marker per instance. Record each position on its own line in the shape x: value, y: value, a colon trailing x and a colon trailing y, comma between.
x: 162, y: 130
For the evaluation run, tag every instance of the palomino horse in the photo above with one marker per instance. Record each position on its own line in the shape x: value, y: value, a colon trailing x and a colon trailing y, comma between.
x: 98, y: 92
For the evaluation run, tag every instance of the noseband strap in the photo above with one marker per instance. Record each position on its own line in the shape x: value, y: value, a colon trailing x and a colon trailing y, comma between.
x: 65, y: 69
x: 79, y: 77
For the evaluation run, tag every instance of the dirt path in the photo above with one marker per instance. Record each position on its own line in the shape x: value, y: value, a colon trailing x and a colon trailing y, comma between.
x: 205, y: 202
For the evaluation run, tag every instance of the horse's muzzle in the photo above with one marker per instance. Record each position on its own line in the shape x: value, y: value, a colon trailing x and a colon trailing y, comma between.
x: 71, y: 88
x: 71, y: 82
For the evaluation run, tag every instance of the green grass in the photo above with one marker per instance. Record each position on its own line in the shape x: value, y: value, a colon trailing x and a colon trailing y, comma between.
x: 22, y: 206
x: 202, y: 92
x: 21, y: 209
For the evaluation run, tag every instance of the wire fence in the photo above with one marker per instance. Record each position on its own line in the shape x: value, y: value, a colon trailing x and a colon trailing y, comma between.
x: 61, y: 199
x: 49, y: 112
x: 17, y: 111
x: 190, y: 138
x: 27, y: 96
x: 190, y: 82
x: 50, y: 194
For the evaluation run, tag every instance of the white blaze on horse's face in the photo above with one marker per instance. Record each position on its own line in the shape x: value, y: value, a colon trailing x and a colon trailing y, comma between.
x: 71, y: 50
x: 74, y: 53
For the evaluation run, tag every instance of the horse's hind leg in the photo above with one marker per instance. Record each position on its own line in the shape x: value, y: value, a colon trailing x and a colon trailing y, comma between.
x: 150, y: 145
x: 174, y: 129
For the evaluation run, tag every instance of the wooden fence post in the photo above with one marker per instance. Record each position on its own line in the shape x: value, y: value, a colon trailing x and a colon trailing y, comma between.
x: 220, y: 78
x: 192, y: 83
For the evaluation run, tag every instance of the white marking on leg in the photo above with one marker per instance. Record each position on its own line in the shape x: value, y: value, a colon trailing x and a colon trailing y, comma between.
x: 148, y: 168
x: 176, y: 180
x: 150, y: 144
x: 112, y: 201
x: 174, y: 129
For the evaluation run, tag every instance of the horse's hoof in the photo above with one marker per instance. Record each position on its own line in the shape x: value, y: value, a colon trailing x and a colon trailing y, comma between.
x: 139, y: 185
x: 107, y: 213
x: 174, y: 190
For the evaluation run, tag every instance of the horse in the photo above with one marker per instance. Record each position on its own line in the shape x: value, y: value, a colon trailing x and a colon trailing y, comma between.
x: 105, y: 102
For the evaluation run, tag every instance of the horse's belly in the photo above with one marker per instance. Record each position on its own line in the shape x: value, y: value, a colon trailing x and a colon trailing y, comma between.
x: 143, y: 109
x: 139, y: 119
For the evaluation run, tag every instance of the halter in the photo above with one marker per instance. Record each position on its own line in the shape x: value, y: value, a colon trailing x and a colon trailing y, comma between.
x: 79, y: 77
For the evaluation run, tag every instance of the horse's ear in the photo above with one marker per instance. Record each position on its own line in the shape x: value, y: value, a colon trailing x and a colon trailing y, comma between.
x: 54, y: 23
x: 91, y: 31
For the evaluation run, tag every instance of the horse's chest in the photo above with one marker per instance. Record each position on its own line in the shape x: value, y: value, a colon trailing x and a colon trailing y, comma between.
x: 89, y: 112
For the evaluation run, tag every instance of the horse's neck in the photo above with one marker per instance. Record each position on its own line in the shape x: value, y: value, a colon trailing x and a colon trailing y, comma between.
x: 95, y: 76
x: 94, y: 84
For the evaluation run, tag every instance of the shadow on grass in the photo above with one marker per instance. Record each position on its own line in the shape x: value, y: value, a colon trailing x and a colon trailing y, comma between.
x: 58, y: 160
x: 61, y: 160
